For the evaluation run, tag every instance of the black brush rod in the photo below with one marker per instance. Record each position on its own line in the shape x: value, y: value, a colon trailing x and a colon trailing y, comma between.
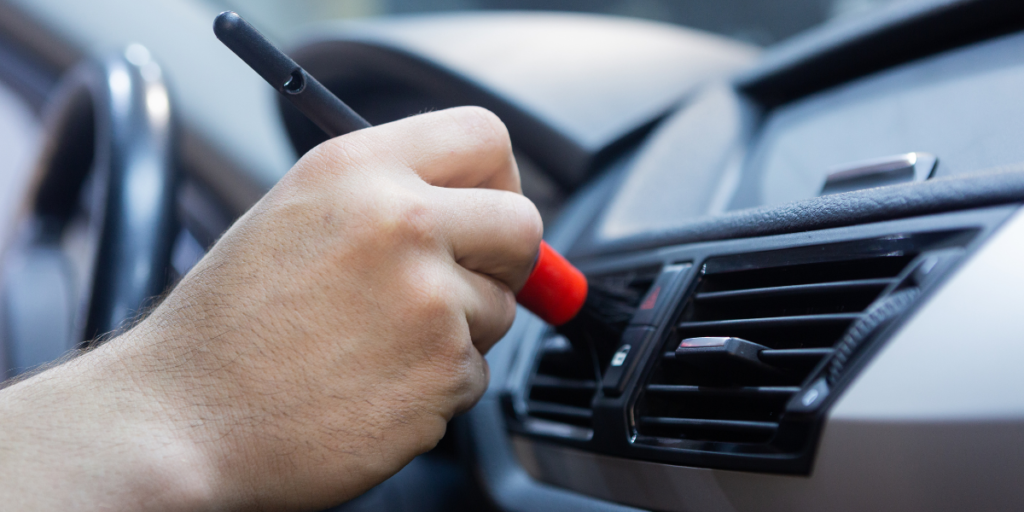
x: 308, y: 95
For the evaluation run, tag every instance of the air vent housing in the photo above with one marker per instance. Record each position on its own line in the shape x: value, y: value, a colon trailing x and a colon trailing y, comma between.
x: 787, y: 310
x: 738, y: 347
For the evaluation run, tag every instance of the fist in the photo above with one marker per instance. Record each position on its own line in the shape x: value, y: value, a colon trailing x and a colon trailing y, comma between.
x: 334, y: 330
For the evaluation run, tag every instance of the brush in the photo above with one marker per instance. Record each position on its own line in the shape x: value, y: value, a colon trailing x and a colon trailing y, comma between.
x: 592, y: 315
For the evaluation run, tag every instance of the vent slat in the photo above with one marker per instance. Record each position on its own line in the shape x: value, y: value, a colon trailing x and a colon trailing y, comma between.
x: 800, y: 289
x: 771, y: 356
x: 558, y: 410
x: 785, y: 272
x: 736, y: 391
x: 731, y: 425
x: 773, y: 322
x: 547, y: 381
x: 780, y: 321
x: 784, y: 355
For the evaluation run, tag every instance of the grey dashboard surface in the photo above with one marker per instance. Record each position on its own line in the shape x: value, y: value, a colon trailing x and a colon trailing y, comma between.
x: 630, y: 71
x: 568, y: 86
x: 962, y: 105
x: 684, y: 169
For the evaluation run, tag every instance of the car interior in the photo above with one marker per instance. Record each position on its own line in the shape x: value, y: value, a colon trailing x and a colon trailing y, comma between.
x: 813, y: 203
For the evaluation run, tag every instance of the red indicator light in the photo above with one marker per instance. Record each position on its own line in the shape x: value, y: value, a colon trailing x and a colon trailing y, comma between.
x: 651, y: 299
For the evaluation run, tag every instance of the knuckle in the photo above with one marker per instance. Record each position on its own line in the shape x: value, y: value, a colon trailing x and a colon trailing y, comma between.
x: 409, y: 219
x: 331, y: 168
x: 432, y: 295
x: 508, y: 312
x: 454, y: 361
x: 339, y: 152
x: 500, y: 318
x: 429, y: 437
x: 465, y: 369
x: 484, y: 124
x: 526, y: 221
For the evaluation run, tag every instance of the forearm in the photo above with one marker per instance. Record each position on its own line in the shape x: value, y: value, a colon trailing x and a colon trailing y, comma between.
x: 82, y: 436
x: 164, y: 418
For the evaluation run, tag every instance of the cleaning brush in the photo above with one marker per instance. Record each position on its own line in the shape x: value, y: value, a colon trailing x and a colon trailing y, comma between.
x: 591, y: 315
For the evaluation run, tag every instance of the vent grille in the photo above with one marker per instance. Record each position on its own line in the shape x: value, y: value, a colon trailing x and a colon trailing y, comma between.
x: 736, y: 362
x: 563, y: 385
x: 795, y: 308
x: 565, y: 379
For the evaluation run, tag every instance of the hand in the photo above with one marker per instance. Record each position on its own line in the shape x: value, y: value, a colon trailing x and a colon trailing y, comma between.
x: 324, y: 342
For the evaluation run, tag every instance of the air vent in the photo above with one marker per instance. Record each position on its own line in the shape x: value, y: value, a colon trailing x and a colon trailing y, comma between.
x: 753, y: 331
x: 736, y: 349
x: 564, y: 381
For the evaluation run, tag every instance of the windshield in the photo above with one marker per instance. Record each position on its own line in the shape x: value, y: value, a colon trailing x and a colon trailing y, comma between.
x: 760, y: 22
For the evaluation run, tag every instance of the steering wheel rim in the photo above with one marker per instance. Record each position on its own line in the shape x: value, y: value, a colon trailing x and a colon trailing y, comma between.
x: 139, y: 221
x: 109, y: 150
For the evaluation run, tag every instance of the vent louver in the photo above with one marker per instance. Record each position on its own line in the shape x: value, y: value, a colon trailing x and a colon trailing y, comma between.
x: 563, y: 384
x: 787, y: 310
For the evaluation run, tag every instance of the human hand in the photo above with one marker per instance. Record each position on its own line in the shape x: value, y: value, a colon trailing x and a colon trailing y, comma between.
x: 329, y: 336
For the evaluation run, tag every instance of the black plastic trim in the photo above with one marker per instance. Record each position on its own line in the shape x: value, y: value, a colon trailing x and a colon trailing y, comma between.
x: 542, y: 408
x: 788, y: 290
x: 547, y: 381
x: 759, y: 390
x: 776, y: 321
x: 722, y: 424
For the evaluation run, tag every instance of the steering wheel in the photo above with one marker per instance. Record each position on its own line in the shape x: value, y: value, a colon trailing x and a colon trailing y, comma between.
x: 96, y: 239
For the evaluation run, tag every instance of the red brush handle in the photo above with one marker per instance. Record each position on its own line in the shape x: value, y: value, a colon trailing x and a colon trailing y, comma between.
x: 555, y: 290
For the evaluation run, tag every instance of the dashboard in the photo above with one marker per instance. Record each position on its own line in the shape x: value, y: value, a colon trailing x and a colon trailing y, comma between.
x: 823, y: 238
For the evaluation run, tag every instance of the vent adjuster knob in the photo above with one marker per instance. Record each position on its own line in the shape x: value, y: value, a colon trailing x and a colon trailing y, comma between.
x: 723, y: 354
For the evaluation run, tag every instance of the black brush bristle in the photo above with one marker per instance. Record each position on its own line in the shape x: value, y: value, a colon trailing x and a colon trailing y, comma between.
x: 611, y: 303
